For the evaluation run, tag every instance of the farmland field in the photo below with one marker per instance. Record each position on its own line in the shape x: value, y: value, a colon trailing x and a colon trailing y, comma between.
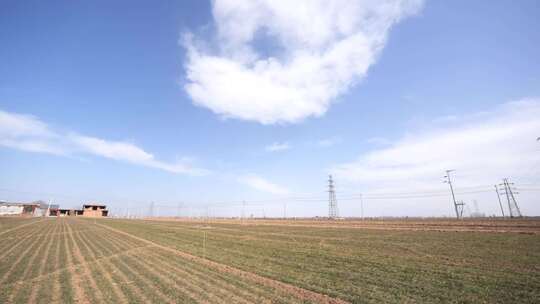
x: 75, y: 260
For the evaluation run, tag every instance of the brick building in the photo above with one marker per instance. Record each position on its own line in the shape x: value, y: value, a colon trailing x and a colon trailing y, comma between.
x: 95, y: 210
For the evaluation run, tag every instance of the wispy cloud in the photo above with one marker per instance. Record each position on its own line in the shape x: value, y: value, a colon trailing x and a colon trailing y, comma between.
x: 381, y: 141
x: 258, y: 183
x: 483, y: 148
x: 328, y: 142
x: 28, y: 133
x: 276, y: 147
x: 325, y: 47
x: 447, y: 118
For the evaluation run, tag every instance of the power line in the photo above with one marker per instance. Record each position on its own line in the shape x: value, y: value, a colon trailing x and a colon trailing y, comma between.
x: 306, y: 198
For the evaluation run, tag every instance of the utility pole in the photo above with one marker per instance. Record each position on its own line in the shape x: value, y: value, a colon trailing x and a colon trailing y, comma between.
x: 48, y: 212
x: 499, y: 197
x: 456, y: 204
x: 243, y: 210
x: 332, y: 202
x: 151, y: 210
x: 179, y: 210
x: 361, y: 206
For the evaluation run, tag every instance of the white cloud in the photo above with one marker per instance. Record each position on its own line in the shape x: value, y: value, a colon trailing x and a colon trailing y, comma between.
x: 483, y: 148
x: 28, y: 133
x: 275, y: 147
x: 381, y: 141
x: 321, y: 49
x: 447, y: 118
x: 18, y: 125
x: 328, y: 142
x: 112, y: 149
x: 261, y: 184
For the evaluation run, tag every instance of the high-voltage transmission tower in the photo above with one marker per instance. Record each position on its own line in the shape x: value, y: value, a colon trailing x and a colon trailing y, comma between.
x: 508, y: 191
x: 332, y: 201
x: 458, y: 206
x: 151, y: 210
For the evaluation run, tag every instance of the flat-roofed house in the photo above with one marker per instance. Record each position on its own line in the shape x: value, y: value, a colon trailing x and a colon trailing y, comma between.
x: 95, y: 210
x: 20, y: 209
x: 11, y: 208
x: 30, y: 209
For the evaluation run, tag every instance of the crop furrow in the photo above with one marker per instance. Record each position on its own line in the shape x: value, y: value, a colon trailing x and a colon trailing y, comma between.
x: 85, y: 290
x: 31, y: 267
x: 108, y: 283
x: 46, y: 260
x: 21, y: 258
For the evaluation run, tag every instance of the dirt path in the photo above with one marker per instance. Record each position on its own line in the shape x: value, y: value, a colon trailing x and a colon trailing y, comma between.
x: 155, y: 264
x: 200, y: 282
x: 496, y: 226
x: 83, y: 267
x: 300, y: 293
x: 56, y: 284
x: 177, y: 274
x: 43, y: 263
x: 74, y: 278
x: 199, y: 286
x: 482, y: 229
x: 91, y: 247
x: 73, y: 267
x: 120, y: 244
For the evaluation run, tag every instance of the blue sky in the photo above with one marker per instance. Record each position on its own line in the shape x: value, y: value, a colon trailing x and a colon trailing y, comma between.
x: 188, y: 101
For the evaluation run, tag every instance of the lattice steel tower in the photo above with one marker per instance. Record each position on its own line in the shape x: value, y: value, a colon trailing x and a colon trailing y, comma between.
x: 509, y: 192
x: 332, y: 202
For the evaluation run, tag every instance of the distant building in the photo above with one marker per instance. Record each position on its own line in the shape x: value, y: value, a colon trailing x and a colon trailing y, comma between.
x: 40, y: 208
x: 30, y: 209
x: 10, y: 209
x: 68, y: 212
x: 15, y: 209
x: 64, y: 212
x: 54, y: 210
x: 95, y: 210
